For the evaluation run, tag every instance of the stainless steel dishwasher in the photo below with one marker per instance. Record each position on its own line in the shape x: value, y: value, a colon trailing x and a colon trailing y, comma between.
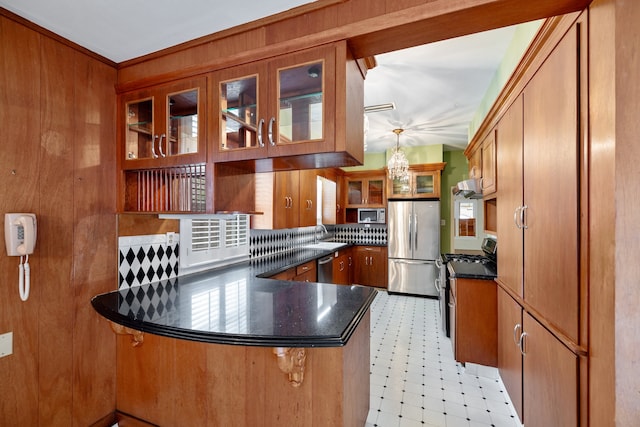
x: 325, y: 269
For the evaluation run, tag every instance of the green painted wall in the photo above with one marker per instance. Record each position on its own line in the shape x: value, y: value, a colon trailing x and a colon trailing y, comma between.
x: 371, y: 161
x: 415, y: 155
x: 456, y: 170
x: 522, y: 37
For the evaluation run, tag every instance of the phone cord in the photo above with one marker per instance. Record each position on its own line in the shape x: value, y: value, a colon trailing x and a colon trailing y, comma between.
x: 24, y: 279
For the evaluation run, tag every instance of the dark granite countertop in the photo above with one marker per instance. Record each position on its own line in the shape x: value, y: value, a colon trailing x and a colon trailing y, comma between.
x: 233, y: 305
x: 471, y: 270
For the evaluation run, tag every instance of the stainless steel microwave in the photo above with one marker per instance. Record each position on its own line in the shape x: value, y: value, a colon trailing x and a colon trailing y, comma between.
x: 372, y: 215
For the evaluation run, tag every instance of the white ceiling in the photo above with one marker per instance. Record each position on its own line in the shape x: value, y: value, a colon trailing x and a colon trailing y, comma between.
x: 436, y: 88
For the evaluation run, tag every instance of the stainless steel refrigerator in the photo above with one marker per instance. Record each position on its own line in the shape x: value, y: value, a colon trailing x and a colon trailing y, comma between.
x: 413, y: 238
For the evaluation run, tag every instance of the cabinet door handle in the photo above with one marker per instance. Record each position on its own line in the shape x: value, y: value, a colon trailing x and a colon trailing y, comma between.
x: 516, y: 330
x: 370, y: 260
x: 163, y: 136
x: 270, y: 131
x: 523, y: 343
x: 516, y: 216
x: 349, y: 261
x: 260, y: 125
x: 523, y: 218
x: 153, y: 147
x: 437, y: 284
x: 341, y: 265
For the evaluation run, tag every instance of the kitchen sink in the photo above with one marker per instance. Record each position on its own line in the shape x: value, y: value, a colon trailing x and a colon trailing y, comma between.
x: 330, y: 246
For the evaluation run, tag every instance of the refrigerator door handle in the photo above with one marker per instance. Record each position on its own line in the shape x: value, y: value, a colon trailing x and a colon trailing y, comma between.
x: 415, y: 222
x: 410, y: 232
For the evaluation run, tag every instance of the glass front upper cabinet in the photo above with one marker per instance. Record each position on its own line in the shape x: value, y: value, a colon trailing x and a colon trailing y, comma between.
x: 421, y: 184
x: 300, y: 100
x: 184, y: 132
x: 140, y: 131
x: 164, y: 125
x: 240, y: 126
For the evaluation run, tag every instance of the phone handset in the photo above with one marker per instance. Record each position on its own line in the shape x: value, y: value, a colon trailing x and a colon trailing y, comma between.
x: 20, y: 231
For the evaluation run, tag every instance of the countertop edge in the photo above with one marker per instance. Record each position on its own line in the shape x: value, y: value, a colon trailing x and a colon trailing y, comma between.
x: 238, y: 339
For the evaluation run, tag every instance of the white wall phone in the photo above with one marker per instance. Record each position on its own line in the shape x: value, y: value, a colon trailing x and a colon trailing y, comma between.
x: 20, y: 231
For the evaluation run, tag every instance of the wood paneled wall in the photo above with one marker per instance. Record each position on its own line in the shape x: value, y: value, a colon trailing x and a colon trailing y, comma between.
x: 57, y: 159
x: 370, y: 27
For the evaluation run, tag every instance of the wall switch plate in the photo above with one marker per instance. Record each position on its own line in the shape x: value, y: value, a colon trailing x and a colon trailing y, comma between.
x: 6, y: 344
x: 443, y: 222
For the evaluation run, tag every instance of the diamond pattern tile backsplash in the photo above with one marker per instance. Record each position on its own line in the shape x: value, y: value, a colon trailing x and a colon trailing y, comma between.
x: 146, y: 259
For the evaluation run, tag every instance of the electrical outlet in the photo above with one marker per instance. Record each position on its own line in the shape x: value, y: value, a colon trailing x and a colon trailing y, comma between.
x: 6, y: 344
x: 171, y: 238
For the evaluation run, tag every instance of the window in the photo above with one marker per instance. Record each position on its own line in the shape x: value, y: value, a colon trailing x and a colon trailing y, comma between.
x: 213, y: 241
x: 466, y: 218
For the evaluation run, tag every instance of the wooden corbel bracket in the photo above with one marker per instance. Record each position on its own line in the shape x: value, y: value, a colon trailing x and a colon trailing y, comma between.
x: 291, y: 361
x: 137, y: 337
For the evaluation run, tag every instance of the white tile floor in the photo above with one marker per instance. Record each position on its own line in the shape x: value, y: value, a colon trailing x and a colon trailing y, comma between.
x: 414, y: 379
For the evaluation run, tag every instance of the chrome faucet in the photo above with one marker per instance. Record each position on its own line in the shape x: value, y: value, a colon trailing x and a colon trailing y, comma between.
x: 325, y: 231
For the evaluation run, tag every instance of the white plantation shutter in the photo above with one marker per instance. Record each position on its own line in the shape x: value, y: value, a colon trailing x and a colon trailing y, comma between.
x: 205, y: 234
x: 213, y: 241
x: 237, y: 231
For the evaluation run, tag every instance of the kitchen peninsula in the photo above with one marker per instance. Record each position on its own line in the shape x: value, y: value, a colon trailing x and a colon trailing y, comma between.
x: 233, y: 347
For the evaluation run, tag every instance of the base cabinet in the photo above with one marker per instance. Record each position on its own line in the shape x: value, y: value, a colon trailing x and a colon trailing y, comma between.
x: 540, y: 374
x: 371, y: 266
x: 342, y: 267
x: 550, y: 378
x: 171, y: 382
x: 509, y: 355
x: 473, y: 321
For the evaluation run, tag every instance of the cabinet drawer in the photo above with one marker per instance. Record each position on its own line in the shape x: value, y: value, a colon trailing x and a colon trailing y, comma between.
x: 307, y: 266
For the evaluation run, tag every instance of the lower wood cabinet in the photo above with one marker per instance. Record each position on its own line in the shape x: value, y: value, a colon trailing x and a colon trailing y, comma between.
x: 540, y: 374
x: 306, y: 272
x: 343, y: 267
x: 550, y: 378
x: 509, y: 355
x: 371, y: 266
x: 473, y: 321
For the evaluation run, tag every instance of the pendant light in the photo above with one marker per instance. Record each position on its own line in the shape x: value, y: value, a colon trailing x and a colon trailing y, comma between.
x: 398, y: 165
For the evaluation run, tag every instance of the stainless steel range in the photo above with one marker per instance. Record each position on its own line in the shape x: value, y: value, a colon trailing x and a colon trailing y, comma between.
x: 489, y: 248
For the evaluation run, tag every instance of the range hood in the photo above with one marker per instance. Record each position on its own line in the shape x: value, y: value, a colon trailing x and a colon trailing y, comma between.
x: 469, y: 188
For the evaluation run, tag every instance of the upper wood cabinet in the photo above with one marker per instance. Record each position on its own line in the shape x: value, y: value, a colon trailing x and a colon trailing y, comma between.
x: 292, y: 105
x: 489, y: 181
x: 423, y: 183
x: 163, y: 126
x: 285, y: 199
x: 365, y: 190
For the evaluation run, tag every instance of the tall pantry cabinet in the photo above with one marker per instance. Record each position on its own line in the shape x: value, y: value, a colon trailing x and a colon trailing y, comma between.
x: 541, y: 327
